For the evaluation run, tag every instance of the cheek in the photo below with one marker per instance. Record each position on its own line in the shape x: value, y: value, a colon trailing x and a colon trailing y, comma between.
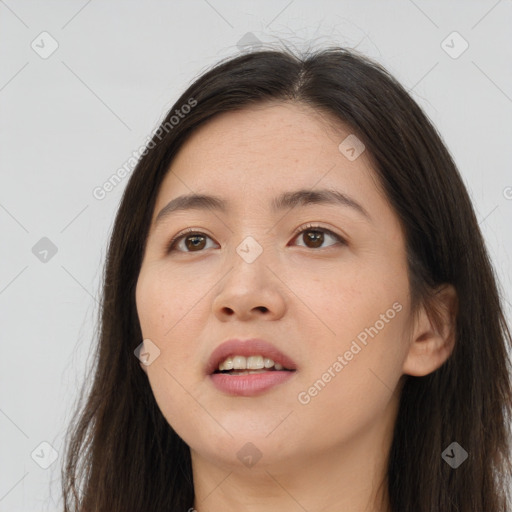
x: 344, y: 299
x: 352, y: 387
x: 163, y: 300
x: 168, y: 316
x: 360, y: 349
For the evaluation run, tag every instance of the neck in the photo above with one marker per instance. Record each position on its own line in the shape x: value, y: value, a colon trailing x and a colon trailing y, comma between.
x: 348, y: 477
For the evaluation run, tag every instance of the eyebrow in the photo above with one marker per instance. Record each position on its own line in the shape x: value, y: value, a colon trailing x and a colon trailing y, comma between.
x: 287, y: 200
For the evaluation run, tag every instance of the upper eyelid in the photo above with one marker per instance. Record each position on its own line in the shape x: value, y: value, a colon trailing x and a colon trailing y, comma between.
x: 312, y: 226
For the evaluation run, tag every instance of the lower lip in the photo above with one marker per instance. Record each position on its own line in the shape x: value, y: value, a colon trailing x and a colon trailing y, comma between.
x: 251, y: 384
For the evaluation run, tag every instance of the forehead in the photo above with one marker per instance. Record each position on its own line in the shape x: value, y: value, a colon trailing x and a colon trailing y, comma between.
x: 253, y: 155
x: 268, y: 133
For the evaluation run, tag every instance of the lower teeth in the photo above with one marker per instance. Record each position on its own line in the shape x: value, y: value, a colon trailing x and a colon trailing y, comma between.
x: 246, y: 372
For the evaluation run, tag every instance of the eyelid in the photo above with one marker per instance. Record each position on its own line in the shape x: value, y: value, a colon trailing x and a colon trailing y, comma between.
x: 304, y: 227
x: 318, y: 227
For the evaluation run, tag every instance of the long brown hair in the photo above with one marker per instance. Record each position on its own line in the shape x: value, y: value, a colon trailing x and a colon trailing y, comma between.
x: 122, y: 455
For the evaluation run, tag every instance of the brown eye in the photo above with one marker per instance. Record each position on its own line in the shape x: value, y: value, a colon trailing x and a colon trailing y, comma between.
x: 192, y: 241
x: 314, y: 236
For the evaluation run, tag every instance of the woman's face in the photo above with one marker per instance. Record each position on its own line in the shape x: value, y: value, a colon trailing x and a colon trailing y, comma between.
x: 323, y: 282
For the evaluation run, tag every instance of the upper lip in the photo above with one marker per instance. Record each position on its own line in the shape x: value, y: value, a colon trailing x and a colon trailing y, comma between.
x: 250, y: 347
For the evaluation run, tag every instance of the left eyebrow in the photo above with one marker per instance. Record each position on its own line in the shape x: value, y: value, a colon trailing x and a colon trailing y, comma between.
x: 287, y: 200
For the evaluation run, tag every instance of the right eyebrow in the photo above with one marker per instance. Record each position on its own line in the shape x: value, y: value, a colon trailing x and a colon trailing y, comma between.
x: 287, y: 200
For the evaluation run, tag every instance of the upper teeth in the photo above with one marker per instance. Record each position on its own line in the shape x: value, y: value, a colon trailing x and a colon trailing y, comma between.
x: 249, y: 363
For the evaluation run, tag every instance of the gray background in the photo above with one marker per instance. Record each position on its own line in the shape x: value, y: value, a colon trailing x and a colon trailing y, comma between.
x: 69, y: 120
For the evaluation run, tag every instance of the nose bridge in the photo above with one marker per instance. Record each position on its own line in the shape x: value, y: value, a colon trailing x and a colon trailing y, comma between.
x: 250, y: 259
x: 250, y: 285
x: 253, y: 234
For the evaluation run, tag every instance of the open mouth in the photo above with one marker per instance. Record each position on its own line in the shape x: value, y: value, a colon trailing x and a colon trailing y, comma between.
x: 248, y: 368
x: 240, y: 365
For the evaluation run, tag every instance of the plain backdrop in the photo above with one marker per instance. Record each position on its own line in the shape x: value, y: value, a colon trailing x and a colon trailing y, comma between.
x: 82, y: 85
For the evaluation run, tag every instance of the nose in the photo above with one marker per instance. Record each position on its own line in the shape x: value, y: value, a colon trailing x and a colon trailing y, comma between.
x: 250, y: 290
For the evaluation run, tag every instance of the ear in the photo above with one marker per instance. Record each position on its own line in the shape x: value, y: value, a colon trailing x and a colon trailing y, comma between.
x: 433, y: 334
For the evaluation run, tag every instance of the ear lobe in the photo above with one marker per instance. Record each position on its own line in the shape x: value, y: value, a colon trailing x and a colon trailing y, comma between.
x: 434, y: 333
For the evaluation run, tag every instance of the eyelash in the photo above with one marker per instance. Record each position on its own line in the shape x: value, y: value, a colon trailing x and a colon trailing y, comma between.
x: 309, y: 227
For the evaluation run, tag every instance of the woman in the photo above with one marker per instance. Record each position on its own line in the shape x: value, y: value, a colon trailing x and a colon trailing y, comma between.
x: 335, y: 342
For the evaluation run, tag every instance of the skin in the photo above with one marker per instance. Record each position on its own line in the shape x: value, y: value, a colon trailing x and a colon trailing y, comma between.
x: 311, y: 302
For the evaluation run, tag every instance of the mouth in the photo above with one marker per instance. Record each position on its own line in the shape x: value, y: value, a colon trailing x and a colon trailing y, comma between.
x: 248, y: 368
x: 240, y: 365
